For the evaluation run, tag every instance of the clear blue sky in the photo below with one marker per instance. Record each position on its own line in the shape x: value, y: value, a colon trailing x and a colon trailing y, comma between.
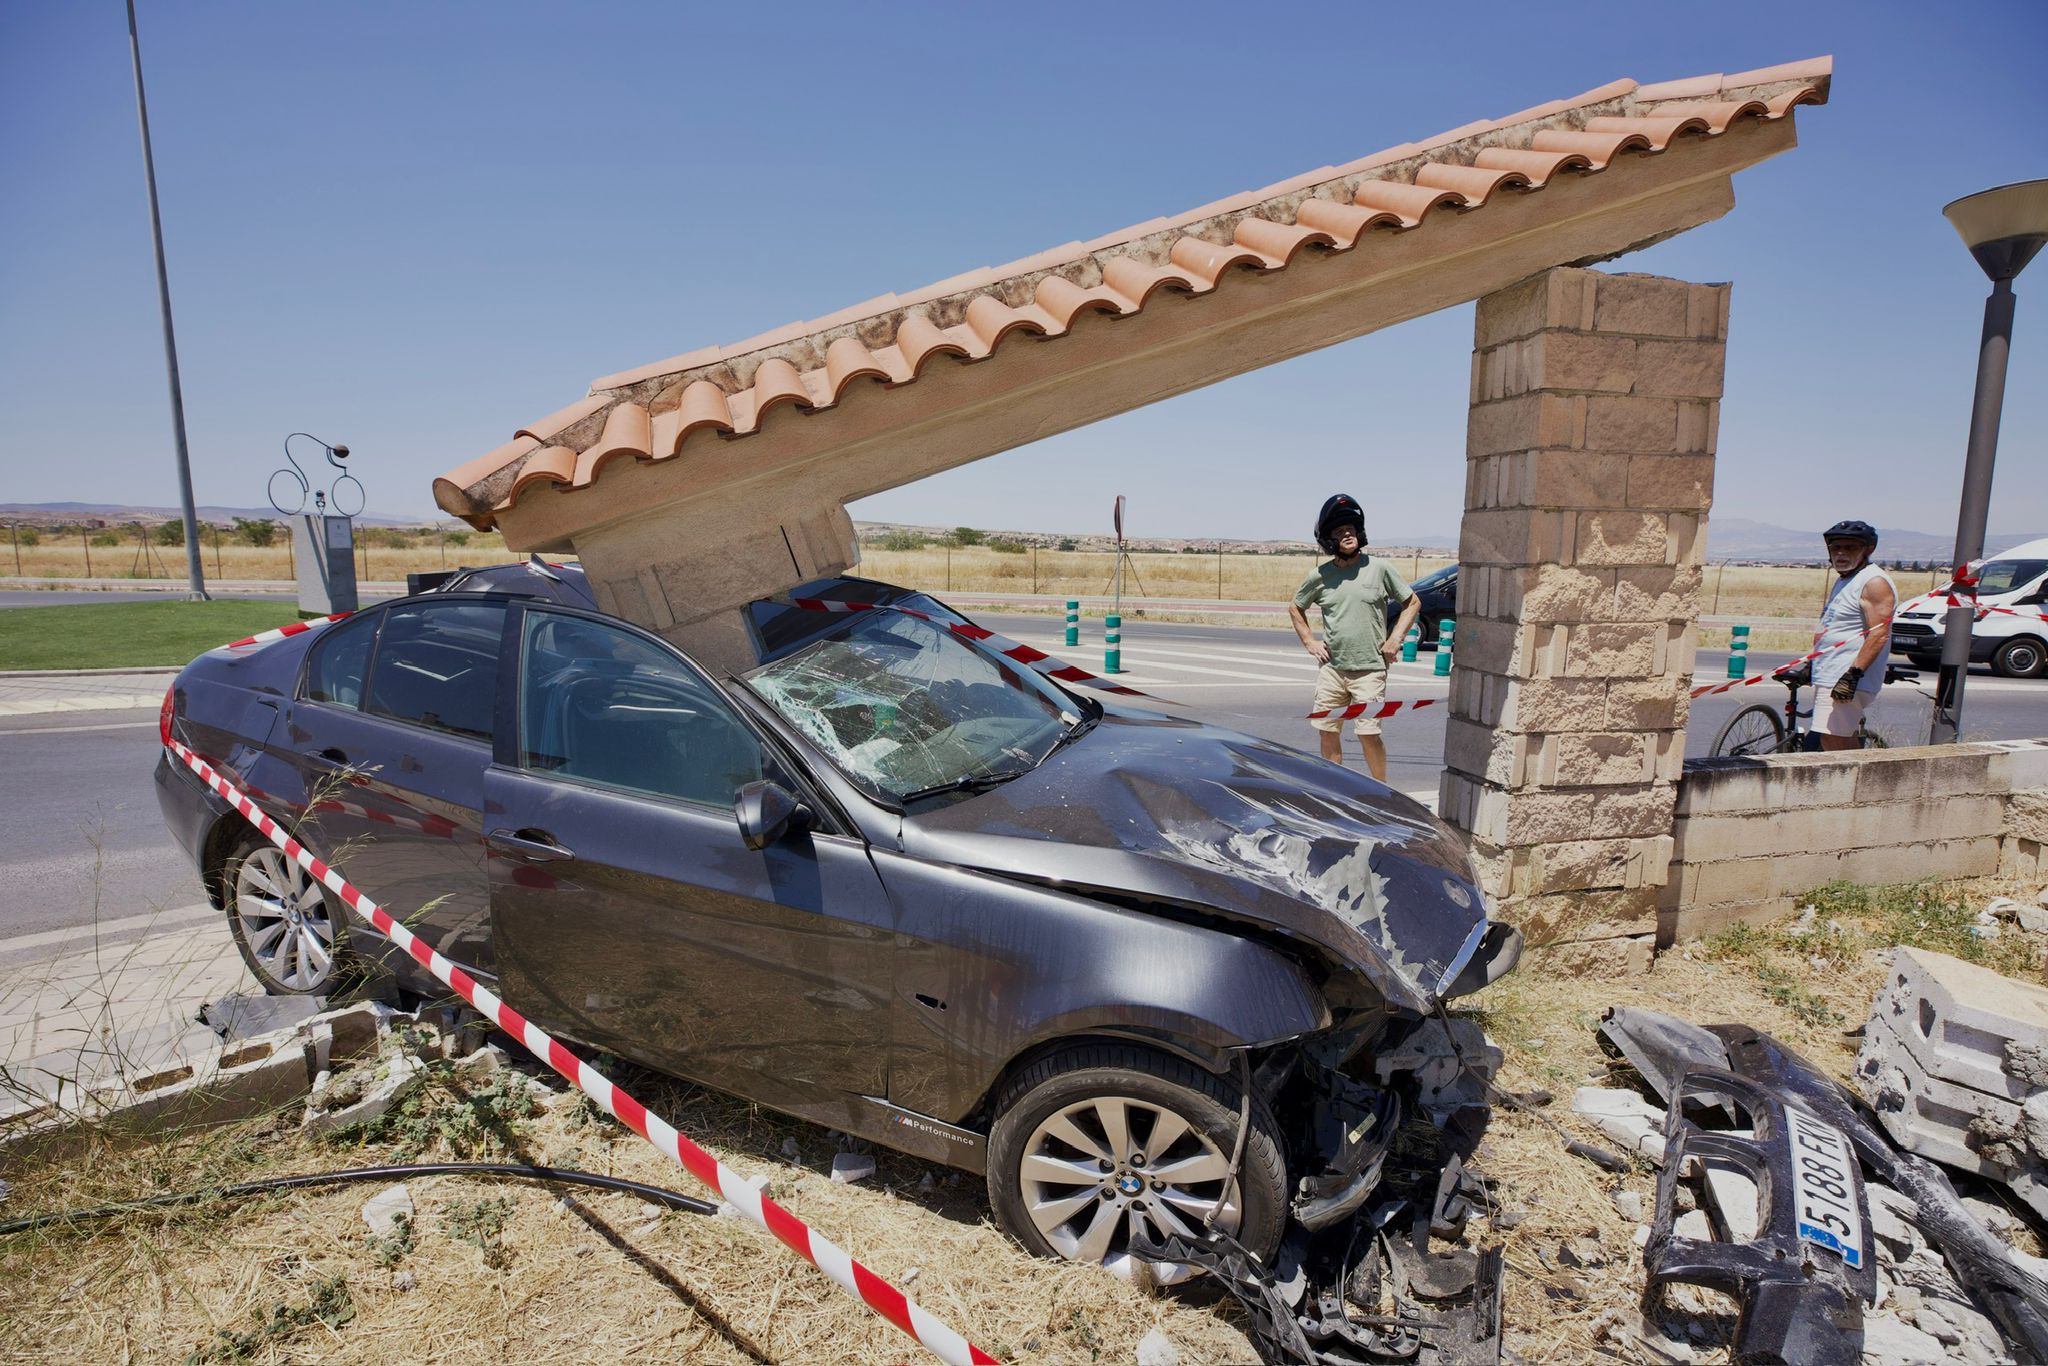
x: 412, y: 227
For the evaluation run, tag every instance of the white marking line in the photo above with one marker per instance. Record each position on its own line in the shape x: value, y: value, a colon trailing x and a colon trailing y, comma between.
x: 175, y: 919
x: 79, y: 730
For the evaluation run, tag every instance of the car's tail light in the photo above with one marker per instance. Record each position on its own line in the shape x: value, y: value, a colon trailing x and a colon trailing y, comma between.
x: 166, y: 714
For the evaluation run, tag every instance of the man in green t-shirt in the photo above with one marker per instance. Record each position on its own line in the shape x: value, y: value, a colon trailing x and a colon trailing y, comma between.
x: 1353, y: 590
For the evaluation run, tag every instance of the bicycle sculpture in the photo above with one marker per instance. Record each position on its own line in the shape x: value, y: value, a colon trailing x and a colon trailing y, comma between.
x: 322, y: 498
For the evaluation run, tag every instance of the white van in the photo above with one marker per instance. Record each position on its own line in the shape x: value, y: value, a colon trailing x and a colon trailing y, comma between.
x: 2014, y: 645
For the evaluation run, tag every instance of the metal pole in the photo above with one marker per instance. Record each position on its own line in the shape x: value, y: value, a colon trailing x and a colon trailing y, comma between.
x: 195, y: 572
x: 1976, y: 507
x: 14, y: 531
x: 85, y: 539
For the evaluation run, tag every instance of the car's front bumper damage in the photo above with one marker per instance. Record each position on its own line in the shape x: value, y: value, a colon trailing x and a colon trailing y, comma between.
x: 1377, y: 1145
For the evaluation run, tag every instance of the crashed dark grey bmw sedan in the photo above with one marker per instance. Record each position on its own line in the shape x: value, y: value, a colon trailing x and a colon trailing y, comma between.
x: 1146, y: 974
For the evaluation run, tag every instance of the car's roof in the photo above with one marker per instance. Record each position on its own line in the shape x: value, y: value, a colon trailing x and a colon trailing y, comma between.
x: 562, y: 583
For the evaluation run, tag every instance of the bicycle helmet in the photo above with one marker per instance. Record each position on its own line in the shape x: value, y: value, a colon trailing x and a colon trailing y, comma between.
x: 1852, y: 531
x: 1340, y: 509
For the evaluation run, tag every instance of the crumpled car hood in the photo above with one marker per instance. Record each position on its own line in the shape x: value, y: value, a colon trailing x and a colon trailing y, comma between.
x: 1166, y: 808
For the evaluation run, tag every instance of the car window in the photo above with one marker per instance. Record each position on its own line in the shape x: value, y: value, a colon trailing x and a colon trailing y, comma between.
x: 1447, y: 577
x: 901, y: 704
x: 339, y: 663
x: 437, y: 665
x: 606, y: 706
x: 2004, y: 576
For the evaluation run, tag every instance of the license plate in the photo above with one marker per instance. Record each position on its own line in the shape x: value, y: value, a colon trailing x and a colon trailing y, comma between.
x: 1824, y: 1187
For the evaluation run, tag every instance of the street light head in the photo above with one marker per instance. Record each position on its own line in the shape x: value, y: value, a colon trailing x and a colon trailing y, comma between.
x: 2003, y: 228
x: 340, y: 452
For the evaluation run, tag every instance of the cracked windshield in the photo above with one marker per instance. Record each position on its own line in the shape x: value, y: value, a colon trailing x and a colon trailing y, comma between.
x: 905, y: 707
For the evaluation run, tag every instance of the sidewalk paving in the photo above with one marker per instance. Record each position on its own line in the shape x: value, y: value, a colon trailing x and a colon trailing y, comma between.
x: 76, y: 1014
x: 30, y: 693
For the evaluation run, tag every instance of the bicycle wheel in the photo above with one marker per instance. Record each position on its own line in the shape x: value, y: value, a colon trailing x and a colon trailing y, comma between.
x: 1755, y: 729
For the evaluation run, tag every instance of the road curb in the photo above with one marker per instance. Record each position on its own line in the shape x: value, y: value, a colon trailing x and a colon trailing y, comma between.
x: 6, y: 674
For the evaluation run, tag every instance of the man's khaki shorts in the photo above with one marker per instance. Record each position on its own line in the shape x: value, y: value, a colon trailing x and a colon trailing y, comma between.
x: 1339, y: 688
x: 1840, y: 718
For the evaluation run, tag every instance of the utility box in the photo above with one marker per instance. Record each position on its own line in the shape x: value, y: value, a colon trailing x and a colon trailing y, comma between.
x: 324, y: 549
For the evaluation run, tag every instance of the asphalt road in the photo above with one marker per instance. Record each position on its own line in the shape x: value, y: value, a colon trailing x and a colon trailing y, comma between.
x: 89, y: 836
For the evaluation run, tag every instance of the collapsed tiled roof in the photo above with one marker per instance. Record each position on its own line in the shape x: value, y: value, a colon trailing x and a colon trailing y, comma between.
x: 657, y: 412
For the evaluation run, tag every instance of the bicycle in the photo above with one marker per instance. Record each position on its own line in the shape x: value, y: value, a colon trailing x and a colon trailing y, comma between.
x: 1759, y: 729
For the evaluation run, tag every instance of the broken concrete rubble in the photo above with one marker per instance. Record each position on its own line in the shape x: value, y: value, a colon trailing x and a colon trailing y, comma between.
x: 230, y: 1082
x: 1951, y: 1062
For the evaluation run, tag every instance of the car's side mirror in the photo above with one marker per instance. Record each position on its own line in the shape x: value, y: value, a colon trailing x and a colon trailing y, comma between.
x: 766, y: 812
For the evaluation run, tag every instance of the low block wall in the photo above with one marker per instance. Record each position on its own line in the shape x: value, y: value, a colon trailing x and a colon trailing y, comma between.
x: 1751, y: 835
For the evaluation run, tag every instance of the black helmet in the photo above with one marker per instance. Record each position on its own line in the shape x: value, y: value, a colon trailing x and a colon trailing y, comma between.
x: 1852, y: 531
x: 1341, y: 509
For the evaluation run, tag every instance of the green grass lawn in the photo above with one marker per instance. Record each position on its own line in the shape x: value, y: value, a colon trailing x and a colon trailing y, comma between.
x: 117, y: 635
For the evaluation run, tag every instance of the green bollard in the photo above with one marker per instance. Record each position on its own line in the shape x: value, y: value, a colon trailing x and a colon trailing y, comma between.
x: 1410, y: 644
x: 1073, y: 621
x: 1444, y: 629
x: 1112, y: 644
x: 1738, y: 651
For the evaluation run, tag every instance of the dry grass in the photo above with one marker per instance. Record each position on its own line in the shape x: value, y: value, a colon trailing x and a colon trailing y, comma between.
x: 69, y: 559
x: 503, y: 1273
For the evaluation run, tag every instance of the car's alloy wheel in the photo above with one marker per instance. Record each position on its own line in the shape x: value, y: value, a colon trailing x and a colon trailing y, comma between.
x: 281, y: 922
x: 1102, y: 1143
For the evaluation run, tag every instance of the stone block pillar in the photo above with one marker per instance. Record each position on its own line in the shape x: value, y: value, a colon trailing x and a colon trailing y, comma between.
x: 1589, y: 471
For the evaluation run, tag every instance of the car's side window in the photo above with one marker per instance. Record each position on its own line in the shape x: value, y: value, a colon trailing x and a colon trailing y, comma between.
x: 605, y: 706
x: 338, y: 665
x: 437, y: 665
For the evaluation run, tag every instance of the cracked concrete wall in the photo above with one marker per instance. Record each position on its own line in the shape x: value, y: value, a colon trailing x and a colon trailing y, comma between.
x: 1589, y: 471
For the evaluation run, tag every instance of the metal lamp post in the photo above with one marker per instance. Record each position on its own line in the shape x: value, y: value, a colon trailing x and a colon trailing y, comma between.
x: 2004, y: 229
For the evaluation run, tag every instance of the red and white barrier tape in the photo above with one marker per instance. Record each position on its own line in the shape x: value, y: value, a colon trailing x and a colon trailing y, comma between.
x: 863, y: 1284
x: 297, y: 628
x: 1982, y: 609
x: 1035, y: 659
x: 1379, y: 710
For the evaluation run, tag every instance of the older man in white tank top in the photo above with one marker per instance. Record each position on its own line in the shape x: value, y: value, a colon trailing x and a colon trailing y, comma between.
x: 1857, y: 621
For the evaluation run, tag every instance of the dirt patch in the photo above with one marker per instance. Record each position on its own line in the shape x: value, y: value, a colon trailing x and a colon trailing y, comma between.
x: 488, y: 1271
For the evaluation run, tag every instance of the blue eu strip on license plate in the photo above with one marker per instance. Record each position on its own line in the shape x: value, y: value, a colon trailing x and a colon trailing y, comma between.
x: 1824, y: 1187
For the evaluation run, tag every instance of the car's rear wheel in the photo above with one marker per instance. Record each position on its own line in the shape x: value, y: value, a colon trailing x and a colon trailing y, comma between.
x: 288, y: 932
x: 2020, y: 657
x: 1095, y: 1143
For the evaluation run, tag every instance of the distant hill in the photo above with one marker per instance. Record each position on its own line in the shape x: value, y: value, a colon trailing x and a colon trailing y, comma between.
x: 1737, y: 538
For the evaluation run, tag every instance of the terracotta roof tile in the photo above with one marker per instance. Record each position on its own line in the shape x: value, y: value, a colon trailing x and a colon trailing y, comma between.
x: 651, y: 413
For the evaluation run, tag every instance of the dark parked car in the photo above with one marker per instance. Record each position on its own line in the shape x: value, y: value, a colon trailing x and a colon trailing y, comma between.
x: 887, y: 881
x: 1438, y: 590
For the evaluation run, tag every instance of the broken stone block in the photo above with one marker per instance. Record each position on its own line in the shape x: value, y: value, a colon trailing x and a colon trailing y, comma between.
x: 1625, y: 1117
x: 1891, y: 1220
x: 1630, y: 1205
x: 1893, y: 1343
x: 790, y: 1151
x: 1156, y: 1349
x: 850, y: 1167
x: 1694, y: 1225
x: 1960, y: 1021
x: 383, y: 1211
x: 1734, y: 1197
x: 362, y: 1095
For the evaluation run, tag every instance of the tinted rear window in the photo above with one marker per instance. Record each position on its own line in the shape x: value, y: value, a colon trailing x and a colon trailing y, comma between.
x: 339, y: 663
x: 437, y: 665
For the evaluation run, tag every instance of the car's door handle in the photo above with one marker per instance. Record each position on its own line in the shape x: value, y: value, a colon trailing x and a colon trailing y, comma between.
x: 332, y: 755
x: 535, y: 846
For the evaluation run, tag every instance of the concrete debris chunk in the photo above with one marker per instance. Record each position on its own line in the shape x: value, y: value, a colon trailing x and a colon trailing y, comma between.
x: 1888, y: 1342
x: 1625, y: 1117
x: 404, y: 1282
x: 1955, y: 1062
x: 1734, y: 1196
x: 1156, y: 1349
x: 384, y: 1210
x: 850, y: 1167
x: 790, y: 1151
x: 1891, y: 1220
x: 1695, y: 1226
x: 1630, y: 1205
x: 360, y: 1096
